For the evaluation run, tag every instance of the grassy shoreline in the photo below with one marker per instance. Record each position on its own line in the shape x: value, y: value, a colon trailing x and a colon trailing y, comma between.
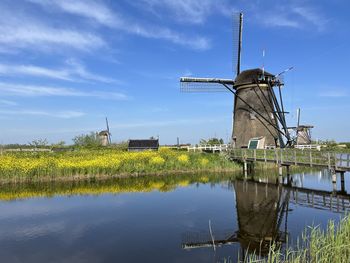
x: 106, y: 163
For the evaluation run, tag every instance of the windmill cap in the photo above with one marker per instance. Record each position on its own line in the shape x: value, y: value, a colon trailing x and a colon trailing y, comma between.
x: 101, y: 133
x: 251, y: 76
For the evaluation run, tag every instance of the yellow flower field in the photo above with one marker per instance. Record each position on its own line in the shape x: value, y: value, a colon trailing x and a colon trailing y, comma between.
x: 32, y: 165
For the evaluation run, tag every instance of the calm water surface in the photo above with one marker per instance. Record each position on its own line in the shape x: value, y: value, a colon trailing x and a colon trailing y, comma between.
x: 120, y: 222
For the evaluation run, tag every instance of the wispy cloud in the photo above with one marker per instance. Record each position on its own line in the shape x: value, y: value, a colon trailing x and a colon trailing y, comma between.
x: 291, y: 15
x: 311, y: 16
x: 105, y: 16
x: 86, y: 8
x: 165, y: 123
x: 334, y: 94
x: 73, y: 71
x: 37, y: 91
x: 23, y: 32
x: 57, y: 114
x: 189, y: 11
x: 279, y: 20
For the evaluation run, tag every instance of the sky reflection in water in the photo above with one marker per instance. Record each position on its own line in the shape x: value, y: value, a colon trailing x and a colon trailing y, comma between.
x: 121, y: 224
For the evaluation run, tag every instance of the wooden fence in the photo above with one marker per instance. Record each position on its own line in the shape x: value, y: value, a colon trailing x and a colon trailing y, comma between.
x: 331, y: 160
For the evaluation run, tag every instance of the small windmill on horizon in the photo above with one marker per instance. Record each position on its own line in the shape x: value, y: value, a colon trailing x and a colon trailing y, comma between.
x: 258, y: 115
x: 105, y: 135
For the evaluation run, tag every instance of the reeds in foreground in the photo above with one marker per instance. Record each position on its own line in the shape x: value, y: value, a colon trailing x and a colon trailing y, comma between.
x: 318, y: 246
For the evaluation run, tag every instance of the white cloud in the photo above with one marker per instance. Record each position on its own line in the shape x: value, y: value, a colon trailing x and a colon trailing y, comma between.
x: 311, y: 16
x: 166, y: 123
x: 279, y: 20
x: 37, y: 91
x: 57, y: 114
x: 190, y: 11
x: 87, y: 8
x: 73, y: 72
x: 290, y: 15
x: 334, y: 94
x: 21, y: 32
x: 195, y: 42
x: 103, y: 15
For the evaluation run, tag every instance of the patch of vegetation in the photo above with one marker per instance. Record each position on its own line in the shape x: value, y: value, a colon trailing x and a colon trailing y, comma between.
x: 211, y: 141
x: 31, y: 166
x: 330, y: 245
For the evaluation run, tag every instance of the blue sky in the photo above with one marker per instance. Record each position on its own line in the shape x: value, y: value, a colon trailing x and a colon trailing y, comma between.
x: 65, y: 65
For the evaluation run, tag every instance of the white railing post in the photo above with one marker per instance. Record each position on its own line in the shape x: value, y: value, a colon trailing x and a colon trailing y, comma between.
x: 255, y: 155
x: 310, y: 158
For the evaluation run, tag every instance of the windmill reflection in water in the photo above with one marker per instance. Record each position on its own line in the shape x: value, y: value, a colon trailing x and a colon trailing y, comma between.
x: 261, y: 209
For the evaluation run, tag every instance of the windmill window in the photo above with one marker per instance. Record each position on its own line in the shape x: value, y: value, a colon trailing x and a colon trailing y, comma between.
x: 272, y: 116
x: 256, y: 143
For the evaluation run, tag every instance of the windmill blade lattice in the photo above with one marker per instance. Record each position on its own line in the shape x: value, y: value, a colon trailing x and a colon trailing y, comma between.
x: 200, y: 87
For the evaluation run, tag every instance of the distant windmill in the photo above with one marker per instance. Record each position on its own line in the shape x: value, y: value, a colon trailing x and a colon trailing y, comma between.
x: 105, y: 135
x: 302, y: 132
x: 258, y: 112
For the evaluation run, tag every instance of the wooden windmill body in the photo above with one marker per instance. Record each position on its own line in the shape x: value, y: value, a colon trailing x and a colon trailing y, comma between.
x: 258, y: 113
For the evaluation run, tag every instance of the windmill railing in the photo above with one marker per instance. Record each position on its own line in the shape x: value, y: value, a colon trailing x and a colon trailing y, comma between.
x: 311, y: 158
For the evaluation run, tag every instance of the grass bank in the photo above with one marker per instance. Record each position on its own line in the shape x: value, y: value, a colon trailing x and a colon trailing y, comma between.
x: 82, y: 164
x: 318, y: 246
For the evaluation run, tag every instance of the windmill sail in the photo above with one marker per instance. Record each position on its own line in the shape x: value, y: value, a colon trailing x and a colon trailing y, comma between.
x: 205, y: 84
x: 237, y: 26
x: 215, y: 84
x: 109, y: 133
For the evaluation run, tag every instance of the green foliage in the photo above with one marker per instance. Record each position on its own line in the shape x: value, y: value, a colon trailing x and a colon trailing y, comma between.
x: 87, y: 140
x: 330, y: 245
x: 347, y: 144
x: 123, y: 146
x: 39, y: 143
x: 330, y: 143
x: 58, y: 144
x: 211, y: 141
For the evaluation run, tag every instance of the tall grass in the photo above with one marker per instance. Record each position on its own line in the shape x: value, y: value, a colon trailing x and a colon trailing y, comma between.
x: 317, y: 246
x: 29, y: 166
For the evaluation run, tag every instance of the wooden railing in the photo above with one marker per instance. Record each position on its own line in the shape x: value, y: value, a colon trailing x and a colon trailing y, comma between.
x: 332, y: 160
x: 208, y: 147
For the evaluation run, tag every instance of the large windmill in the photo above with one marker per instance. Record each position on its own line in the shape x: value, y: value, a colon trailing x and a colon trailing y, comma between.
x: 258, y: 114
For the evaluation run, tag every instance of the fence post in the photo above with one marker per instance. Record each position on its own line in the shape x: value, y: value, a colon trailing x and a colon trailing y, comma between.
x: 310, y: 158
x: 281, y: 156
x: 329, y: 160
x: 255, y: 155
x: 335, y: 161
x: 295, y: 157
x: 265, y: 155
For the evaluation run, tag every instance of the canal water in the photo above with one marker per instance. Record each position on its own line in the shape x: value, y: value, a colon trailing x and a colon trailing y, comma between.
x: 161, y: 219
